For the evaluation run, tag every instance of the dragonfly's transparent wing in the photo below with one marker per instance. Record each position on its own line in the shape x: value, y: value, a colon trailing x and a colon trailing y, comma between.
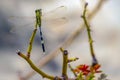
x: 57, y: 25
x: 21, y: 20
x: 21, y: 24
x: 55, y: 19
x: 56, y: 13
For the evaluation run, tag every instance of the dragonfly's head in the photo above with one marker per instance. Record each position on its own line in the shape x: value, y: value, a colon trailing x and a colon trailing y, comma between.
x: 38, y: 11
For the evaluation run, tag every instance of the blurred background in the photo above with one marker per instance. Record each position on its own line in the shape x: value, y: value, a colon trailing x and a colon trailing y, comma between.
x: 60, y: 18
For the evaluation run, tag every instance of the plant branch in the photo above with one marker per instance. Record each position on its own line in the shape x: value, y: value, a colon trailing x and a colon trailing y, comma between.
x: 65, y: 62
x: 31, y: 42
x: 89, y: 35
x: 44, y: 75
x: 72, y: 70
x: 68, y: 41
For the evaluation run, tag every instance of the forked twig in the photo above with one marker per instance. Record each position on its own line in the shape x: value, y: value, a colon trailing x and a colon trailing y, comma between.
x: 67, y: 42
x: 34, y: 67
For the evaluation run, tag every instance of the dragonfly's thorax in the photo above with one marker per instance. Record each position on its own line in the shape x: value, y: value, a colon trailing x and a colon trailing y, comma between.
x: 38, y: 17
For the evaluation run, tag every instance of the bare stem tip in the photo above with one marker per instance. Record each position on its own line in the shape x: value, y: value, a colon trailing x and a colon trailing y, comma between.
x: 18, y: 52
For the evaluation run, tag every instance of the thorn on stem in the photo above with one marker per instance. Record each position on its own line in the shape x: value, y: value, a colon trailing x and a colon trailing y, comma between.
x: 18, y: 52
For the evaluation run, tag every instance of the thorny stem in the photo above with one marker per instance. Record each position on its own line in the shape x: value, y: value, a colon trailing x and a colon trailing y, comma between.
x: 89, y: 35
x: 65, y: 63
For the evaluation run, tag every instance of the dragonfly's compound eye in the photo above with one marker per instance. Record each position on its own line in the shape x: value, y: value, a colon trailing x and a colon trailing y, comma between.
x: 36, y: 11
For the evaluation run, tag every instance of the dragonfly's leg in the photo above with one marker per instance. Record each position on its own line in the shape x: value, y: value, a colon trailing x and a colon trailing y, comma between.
x: 31, y: 41
x: 42, y: 40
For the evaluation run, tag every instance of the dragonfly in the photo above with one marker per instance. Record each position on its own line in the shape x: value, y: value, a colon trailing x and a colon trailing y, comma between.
x: 38, y: 23
x: 54, y: 17
x: 54, y: 20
